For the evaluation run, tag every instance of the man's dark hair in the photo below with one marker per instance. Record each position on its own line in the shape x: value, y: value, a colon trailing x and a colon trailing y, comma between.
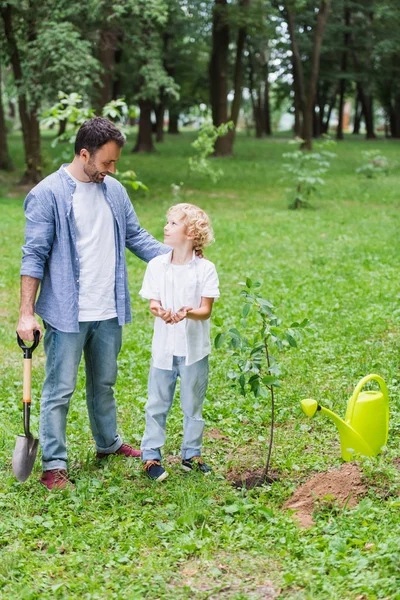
x: 96, y: 132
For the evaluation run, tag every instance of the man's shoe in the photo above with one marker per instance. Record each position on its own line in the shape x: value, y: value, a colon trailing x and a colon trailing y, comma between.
x: 154, y: 470
x: 125, y: 450
x: 196, y: 463
x: 56, y: 479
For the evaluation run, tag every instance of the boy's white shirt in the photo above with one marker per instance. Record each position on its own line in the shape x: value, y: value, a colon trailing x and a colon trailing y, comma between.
x: 202, y: 281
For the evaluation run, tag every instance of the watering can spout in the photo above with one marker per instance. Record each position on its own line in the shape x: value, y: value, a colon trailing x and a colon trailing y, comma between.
x: 365, y: 428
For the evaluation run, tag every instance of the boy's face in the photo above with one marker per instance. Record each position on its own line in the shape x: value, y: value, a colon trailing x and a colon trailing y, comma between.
x: 176, y: 231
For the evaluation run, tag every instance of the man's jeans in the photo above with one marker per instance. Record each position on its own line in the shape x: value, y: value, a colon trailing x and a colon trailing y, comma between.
x: 101, y: 342
x: 162, y: 383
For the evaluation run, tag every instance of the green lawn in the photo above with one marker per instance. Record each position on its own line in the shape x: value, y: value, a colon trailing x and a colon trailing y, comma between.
x: 120, y: 536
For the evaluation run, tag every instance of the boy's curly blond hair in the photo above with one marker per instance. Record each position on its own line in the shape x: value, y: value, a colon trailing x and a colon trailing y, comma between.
x: 197, y: 222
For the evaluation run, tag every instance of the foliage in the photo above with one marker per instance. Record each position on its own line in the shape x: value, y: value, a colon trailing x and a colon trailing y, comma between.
x: 375, y: 163
x: 70, y: 108
x: 204, y: 147
x: 256, y: 367
x: 129, y: 179
x: 306, y: 170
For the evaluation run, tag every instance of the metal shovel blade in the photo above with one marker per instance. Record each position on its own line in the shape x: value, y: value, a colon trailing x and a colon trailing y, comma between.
x: 24, y: 456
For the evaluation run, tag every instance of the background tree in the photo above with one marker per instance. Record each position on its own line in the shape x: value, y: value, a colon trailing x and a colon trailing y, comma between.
x: 305, y: 88
x: 46, y: 55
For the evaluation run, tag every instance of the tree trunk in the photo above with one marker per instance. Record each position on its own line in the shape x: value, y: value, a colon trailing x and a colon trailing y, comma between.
x: 368, y: 112
x: 62, y: 126
x: 28, y: 117
x: 357, y: 115
x: 6, y: 164
x: 144, y: 142
x: 108, y: 46
x: 237, y: 82
x: 297, y: 115
x: 394, y: 118
x: 312, y: 85
x: 159, y: 112
x: 173, y: 117
x: 11, y: 110
x: 267, y: 108
x: 343, y: 69
x: 316, y: 122
x: 218, y: 72
x: 298, y: 76
x: 325, y: 124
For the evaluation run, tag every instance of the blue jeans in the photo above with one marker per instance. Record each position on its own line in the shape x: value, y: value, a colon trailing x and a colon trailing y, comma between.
x: 162, y: 383
x: 101, y: 342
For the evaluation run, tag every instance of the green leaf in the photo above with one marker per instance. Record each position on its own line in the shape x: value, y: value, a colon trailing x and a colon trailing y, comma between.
x: 246, y: 310
x: 249, y: 283
x: 219, y: 340
x: 271, y: 380
x: 291, y: 340
x: 263, y: 392
x: 218, y: 321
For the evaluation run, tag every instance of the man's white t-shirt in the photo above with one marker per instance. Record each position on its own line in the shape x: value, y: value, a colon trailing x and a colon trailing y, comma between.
x: 95, y: 242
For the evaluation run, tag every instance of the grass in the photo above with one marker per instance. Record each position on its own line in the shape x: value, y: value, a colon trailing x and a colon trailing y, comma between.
x: 120, y: 536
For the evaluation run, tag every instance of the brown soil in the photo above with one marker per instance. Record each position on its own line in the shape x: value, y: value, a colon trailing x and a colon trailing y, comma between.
x: 342, y: 486
x: 216, y: 434
x: 251, y: 478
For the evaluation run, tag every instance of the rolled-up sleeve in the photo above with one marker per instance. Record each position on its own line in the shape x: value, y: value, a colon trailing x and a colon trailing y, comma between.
x: 138, y: 240
x: 39, y: 236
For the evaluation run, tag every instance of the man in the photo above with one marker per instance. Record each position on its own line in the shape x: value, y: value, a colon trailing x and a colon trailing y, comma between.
x: 78, y: 223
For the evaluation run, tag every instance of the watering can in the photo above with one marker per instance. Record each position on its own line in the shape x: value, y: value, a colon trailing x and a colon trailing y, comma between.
x: 364, y: 429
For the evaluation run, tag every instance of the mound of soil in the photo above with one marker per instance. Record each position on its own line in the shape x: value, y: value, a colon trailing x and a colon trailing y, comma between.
x: 342, y: 486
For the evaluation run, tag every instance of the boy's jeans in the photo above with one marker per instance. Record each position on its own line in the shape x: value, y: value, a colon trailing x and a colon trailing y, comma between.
x: 162, y: 383
x: 101, y: 342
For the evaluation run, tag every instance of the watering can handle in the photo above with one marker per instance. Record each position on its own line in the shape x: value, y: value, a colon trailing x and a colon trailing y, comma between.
x: 359, y: 387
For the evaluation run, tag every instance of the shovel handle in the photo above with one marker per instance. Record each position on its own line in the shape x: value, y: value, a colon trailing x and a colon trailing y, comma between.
x: 28, y: 350
x: 27, y: 387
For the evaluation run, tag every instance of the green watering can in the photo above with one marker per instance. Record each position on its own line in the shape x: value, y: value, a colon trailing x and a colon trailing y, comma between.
x: 366, y: 424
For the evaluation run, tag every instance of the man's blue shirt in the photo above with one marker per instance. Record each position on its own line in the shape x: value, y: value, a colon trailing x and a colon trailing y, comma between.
x: 50, y: 252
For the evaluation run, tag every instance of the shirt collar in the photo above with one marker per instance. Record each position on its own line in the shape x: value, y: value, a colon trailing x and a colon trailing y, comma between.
x: 71, y: 183
x: 166, y: 258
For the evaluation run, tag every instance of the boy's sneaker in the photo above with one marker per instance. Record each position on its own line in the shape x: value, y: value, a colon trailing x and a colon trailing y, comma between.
x: 196, y: 463
x: 154, y: 470
x: 125, y: 450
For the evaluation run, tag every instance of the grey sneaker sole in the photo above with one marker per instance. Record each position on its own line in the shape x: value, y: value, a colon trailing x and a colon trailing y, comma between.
x: 162, y: 477
x: 194, y: 470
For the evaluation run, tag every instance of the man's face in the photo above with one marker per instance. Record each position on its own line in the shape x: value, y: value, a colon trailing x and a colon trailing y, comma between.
x: 97, y: 166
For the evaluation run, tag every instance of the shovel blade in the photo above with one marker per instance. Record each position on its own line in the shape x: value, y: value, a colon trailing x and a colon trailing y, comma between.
x: 24, y: 456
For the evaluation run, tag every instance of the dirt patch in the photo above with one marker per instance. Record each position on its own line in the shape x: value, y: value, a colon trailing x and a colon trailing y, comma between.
x: 226, y: 577
x: 173, y: 460
x: 251, y: 478
x: 342, y: 486
x: 216, y: 434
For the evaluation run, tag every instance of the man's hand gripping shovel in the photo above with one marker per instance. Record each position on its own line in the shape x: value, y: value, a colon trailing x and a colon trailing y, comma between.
x: 26, y: 446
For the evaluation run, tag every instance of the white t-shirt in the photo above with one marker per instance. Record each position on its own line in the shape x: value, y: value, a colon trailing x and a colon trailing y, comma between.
x: 95, y: 242
x: 179, y: 277
x: 198, y: 279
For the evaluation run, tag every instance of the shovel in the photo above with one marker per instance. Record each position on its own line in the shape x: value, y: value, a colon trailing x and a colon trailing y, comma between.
x: 26, y: 447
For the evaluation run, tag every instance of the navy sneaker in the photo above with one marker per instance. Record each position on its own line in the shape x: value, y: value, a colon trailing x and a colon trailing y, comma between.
x: 154, y: 470
x: 196, y: 463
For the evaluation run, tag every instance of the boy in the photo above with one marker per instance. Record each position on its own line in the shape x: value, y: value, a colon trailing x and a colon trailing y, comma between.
x: 181, y: 288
